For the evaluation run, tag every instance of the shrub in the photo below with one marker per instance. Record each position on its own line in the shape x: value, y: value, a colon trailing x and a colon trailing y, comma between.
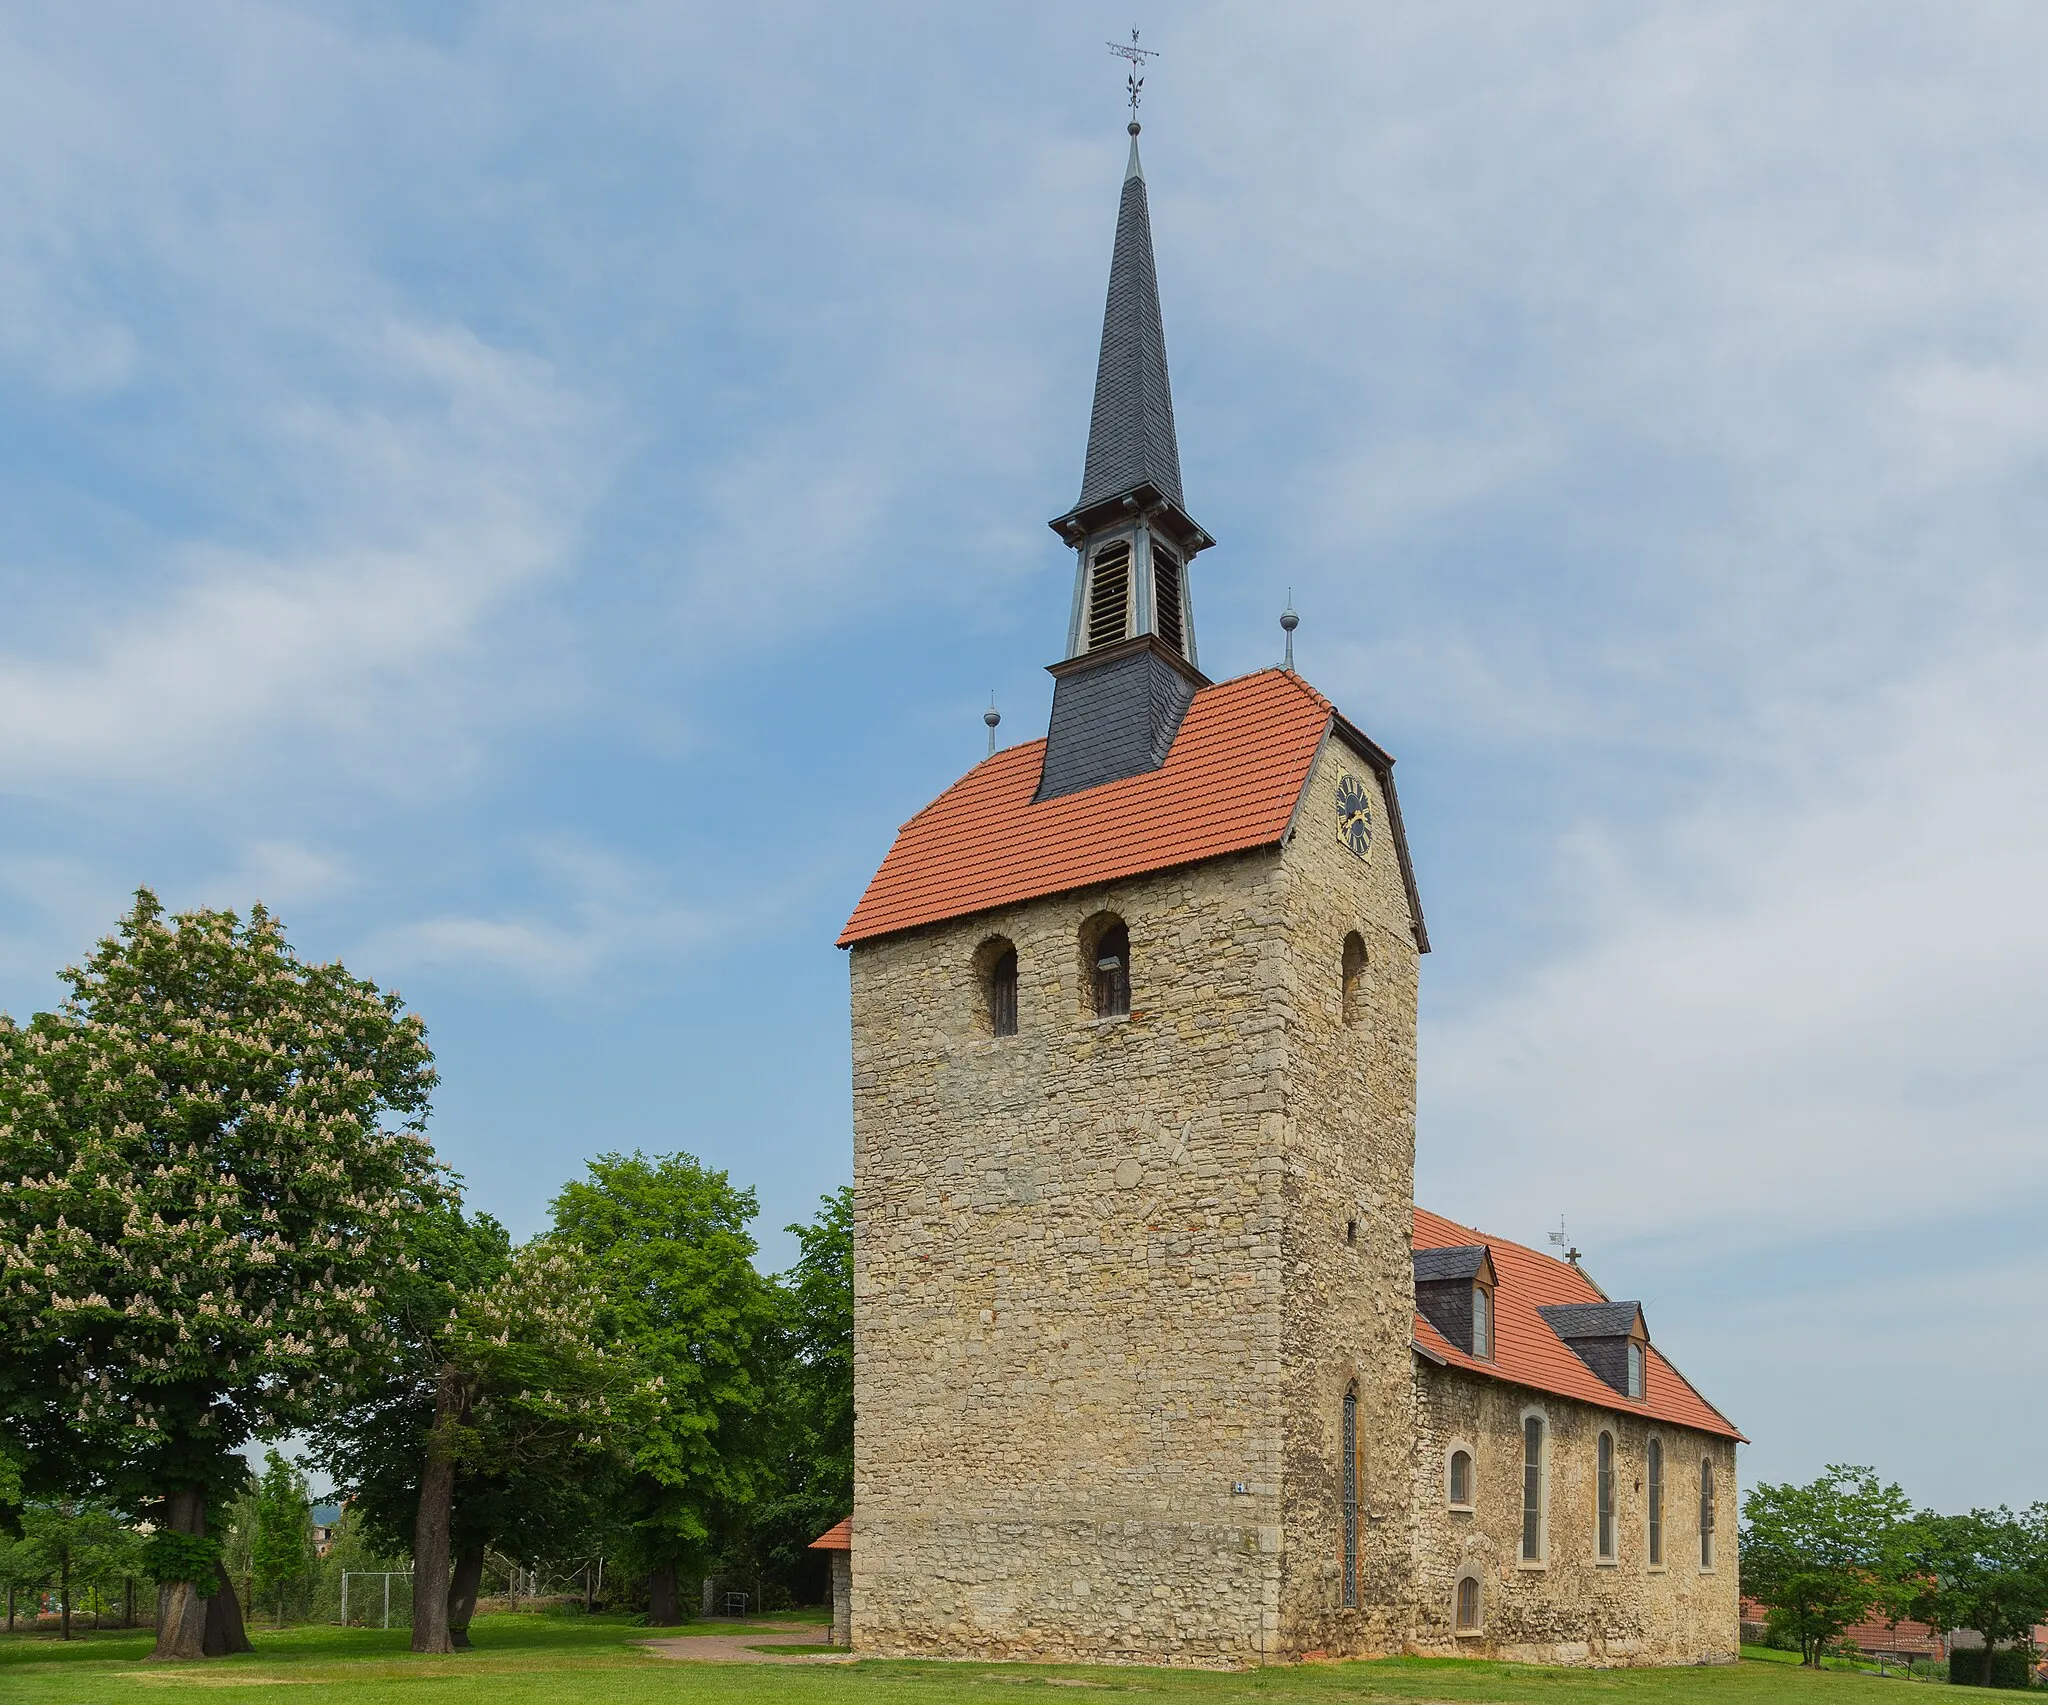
x: 2011, y: 1666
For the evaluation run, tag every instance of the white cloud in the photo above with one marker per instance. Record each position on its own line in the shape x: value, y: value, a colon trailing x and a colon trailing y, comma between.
x: 1811, y: 1000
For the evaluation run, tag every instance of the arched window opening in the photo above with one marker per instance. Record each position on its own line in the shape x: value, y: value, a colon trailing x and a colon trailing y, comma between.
x: 1656, y: 1478
x: 1482, y: 1322
x: 1603, y: 1497
x: 1636, y: 1360
x: 1354, y: 977
x: 1351, y: 1478
x: 1109, y: 594
x: 1166, y: 599
x: 1350, y: 1231
x: 1461, y: 1479
x: 1706, y: 1512
x: 1468, y: 1604
x: 1002, y: 994
x: 1109, y: 969
x: 1532, y: 1489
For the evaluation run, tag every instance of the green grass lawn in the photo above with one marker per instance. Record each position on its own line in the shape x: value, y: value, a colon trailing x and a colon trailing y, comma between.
x: 547, y: 1660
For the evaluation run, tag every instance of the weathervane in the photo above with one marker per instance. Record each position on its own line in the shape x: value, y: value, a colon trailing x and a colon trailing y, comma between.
x: 1137, y: 56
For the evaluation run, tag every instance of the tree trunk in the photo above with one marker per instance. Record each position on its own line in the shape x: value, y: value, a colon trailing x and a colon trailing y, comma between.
x: 462, y: 1590
x: 224, y: 1630
x: 181, y: 1612
x: 662, y: 1609
x: 127, y: 1601
x: 64, y: 1599
x: 430, y: 1526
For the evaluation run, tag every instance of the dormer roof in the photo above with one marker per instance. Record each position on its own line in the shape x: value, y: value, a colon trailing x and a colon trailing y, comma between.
x: 1596, y: 1320
x: 1527, y: 1350
x: 1467, y: 1261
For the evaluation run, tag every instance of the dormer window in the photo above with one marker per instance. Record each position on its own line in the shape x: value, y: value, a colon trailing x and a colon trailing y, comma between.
x: 1454, y: 1293
x: 1609, y: 1337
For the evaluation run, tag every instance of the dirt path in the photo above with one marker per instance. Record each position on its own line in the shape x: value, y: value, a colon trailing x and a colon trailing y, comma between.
x: 737, y: 1648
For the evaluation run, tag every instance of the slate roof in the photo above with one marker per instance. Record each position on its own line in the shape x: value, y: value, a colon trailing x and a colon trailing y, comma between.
x: 1435, y: 1265
x: 1528, y: 1353
x: 1131, y: 440
x: 1231, y: 782
x: 1592, y: 1319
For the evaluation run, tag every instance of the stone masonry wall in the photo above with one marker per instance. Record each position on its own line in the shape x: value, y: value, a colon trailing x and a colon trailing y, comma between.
x: 1574, y: 1609
x: 1347, y: 1230
x: 1068, y: 1318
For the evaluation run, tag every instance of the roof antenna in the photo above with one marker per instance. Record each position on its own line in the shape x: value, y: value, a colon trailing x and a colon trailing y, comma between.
x: 1560, y: 1239
x: 1289, y: 621
x: 991, y: 716
x: 1137, y: 56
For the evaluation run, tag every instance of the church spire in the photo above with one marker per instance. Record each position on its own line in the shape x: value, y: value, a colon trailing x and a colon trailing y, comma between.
x: 1131, y: 442
x: 1130, y: 668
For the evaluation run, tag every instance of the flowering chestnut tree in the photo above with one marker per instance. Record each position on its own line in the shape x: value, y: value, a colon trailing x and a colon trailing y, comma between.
x: 206, y: 1154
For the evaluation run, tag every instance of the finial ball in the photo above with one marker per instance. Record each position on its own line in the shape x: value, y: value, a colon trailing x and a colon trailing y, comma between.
x: 1289, y: 620
x: 1132, y: 127
x: 991, y: 716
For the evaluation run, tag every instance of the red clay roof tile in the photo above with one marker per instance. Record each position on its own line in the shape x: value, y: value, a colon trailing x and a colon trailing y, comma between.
x: 838, y: 1538
x: 1230, y: 783
x: 1526, y: 1351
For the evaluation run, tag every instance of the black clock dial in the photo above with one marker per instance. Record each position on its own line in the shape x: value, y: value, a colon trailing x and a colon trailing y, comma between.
x: 1354, y: 814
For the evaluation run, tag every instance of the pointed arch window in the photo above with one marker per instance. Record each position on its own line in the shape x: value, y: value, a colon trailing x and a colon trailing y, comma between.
x: 1350, y: 1469
x: 1109, y: 594
x: 1706, y: 1512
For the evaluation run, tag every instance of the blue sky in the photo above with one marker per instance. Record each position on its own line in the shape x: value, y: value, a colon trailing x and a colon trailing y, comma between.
x: 537, y: 495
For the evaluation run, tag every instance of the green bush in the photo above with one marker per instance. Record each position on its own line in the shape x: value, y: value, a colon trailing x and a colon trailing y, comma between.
x: 2013, y: 1667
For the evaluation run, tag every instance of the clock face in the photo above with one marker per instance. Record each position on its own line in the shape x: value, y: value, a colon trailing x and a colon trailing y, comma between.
x: 1354, y: 814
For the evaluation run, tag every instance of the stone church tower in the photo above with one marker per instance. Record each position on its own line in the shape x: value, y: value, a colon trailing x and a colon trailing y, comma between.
x: 1134, y: 1088
x: 1155, y: 1358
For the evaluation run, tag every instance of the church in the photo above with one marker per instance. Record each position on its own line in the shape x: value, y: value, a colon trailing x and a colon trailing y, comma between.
x: 1156, y: 1358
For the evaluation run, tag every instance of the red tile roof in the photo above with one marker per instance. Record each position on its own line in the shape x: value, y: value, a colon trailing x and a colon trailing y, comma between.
x: 1230, y: 783
x: 838, y: 1538
x: 1526, y: 1351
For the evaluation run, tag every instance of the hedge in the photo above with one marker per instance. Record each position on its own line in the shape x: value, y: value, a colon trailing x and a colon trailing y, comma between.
x: 2010, y: 1667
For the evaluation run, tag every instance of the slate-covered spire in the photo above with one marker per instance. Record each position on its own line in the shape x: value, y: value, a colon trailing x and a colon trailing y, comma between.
x: 1130, y: 434
x: 1130, y: 668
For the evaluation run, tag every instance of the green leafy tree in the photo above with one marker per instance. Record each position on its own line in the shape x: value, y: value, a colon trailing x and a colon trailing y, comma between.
x: 282, y: 1551
x: 80, y: 1545
x: 1987, y: 1570
x: 812, y: 1411
x: 495, y: 1414
x: 670, y: 1250
x: 23, y: 1570
x: 206, y: 1154
x: 1823, y: 1556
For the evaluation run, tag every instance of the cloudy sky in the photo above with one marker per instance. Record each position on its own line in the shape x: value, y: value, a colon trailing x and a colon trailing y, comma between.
x: 537, y: 495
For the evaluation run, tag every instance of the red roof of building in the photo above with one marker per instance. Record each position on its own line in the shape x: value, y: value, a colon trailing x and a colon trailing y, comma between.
x: 1230, y: 783
x: 838, y: 1538
x: 1527, y: 1352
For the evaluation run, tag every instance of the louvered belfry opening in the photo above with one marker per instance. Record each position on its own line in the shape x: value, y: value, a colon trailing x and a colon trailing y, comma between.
x: 1166, y: 599
x: 1109, y: 594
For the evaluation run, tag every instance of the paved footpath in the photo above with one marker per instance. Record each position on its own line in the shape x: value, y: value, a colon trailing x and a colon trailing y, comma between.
x: 736, y: 1648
